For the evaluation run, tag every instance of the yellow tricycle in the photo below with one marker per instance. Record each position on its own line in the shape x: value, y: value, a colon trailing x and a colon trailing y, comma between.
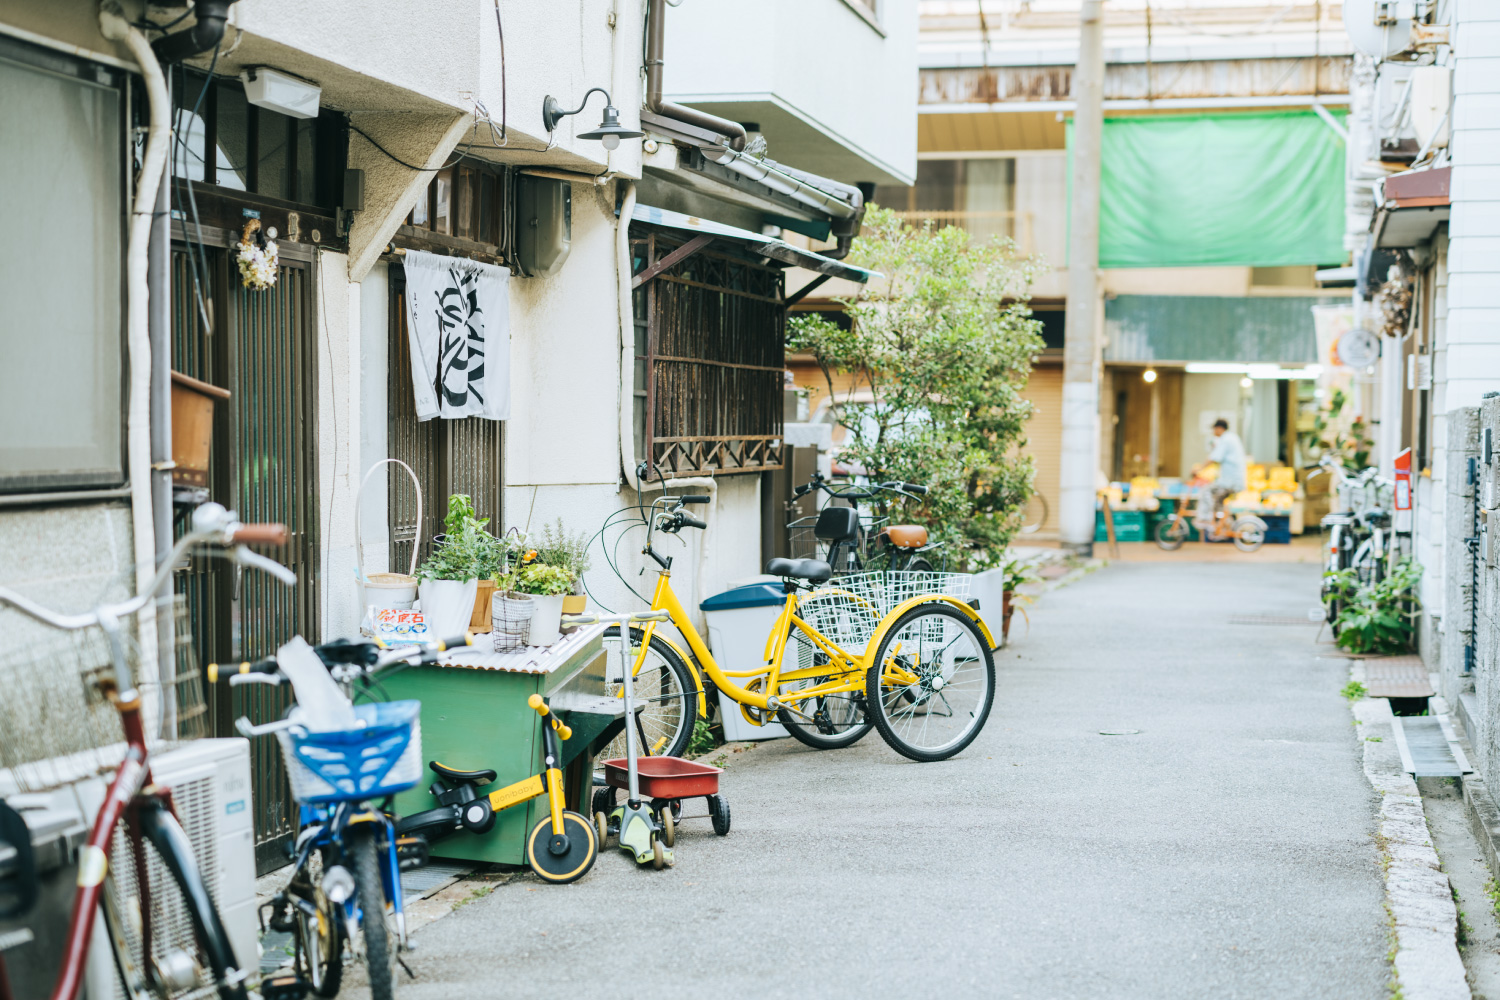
x: 902, y: 651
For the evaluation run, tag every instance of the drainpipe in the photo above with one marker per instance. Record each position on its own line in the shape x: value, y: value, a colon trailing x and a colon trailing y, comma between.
x: 655, y: 43
x: 627, y: 337
x: 115, y: 27
x: 208, y: 29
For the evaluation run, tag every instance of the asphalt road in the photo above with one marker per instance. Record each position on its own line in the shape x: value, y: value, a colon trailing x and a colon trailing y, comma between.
x: 1224, y: 851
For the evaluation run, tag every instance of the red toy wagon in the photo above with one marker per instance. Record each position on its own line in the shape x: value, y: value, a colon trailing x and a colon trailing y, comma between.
x: 666, y: 781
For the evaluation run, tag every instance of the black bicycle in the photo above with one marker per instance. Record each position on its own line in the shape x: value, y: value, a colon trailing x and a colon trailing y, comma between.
x: 851, y: 540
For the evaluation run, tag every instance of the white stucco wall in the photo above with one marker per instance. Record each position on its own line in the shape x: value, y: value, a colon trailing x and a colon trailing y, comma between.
x: 817, y: 59
x: 1474, y: 232
x: 562, y: 57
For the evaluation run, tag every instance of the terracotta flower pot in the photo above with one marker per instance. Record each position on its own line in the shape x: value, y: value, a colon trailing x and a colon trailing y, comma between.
x: 1005, y: 612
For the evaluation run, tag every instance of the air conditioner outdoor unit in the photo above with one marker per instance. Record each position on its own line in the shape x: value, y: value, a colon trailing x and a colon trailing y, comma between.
x: 210, y: 782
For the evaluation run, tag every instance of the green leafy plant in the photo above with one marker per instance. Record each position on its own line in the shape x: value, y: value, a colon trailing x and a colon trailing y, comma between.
x: 1019, y: 572
x: 940, y: 347
x: 465, y: 551
x: 1375, y: 618
x: 557, y: 547
x: 703, y: 739
x: 1354, y: 691
x: 536, y: 578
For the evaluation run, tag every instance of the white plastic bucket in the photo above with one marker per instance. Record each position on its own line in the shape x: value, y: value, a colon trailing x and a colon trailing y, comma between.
x: 546, y: 619
x: 390, y: 590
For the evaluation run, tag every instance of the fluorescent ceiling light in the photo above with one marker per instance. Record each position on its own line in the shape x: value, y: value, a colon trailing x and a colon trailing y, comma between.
x: 281, y: 92
x: 1215, y: 368
x: 1258, y: 371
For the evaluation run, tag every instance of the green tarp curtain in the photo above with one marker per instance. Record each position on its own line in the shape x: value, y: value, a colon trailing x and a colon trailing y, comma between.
x: 1261, y: 189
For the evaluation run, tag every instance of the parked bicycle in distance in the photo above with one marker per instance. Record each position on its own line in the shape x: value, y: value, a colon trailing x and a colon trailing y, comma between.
x: 851, y: 540
x: 142, y: 809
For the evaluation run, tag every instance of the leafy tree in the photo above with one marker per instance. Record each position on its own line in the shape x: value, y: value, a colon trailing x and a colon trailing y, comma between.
x: 941, y: 345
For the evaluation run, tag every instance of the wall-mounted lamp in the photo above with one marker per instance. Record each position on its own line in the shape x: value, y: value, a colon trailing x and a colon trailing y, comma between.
x: 1149, y: 375
x: 609, y: 132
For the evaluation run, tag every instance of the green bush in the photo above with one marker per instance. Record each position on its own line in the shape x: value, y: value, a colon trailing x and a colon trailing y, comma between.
x: 1376, y: 619
x: 943, y: 341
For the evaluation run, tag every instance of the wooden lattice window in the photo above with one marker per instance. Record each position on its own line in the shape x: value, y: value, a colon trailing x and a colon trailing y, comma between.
x: 710, y: 358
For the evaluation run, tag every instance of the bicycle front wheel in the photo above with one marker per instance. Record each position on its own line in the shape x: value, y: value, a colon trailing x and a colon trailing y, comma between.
x: 932, y: 684
x: 320, y: 941
x: 665, y: 687
x: 1171, y: 534
x: 366, y: 853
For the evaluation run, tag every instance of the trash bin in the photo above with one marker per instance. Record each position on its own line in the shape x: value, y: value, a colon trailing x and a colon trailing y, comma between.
x: 739, y: 622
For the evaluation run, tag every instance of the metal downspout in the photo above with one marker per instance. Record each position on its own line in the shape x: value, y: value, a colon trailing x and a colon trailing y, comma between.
x: 655, y: 44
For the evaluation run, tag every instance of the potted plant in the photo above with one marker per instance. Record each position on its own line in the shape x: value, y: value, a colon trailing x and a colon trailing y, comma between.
x: 1018, y: 572
x: 448, y: 581
x: 570, y: 552
x: 547, y: 586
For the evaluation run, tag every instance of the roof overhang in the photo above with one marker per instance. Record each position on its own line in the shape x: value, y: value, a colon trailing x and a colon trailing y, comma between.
x: 762, y: 245
x: 1413, y: 205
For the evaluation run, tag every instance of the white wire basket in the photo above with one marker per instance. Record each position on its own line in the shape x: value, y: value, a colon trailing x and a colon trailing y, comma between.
x: 848, y: 609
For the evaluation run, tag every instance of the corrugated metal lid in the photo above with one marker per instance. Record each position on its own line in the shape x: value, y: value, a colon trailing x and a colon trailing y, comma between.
x: 754, y: 595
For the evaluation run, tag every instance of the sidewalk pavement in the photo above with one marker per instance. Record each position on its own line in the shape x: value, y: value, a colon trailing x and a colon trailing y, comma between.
x: 1222, y: 846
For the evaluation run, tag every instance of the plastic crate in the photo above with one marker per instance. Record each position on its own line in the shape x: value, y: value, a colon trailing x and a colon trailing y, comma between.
x: 1130, y: 526
x: 381, y: 757
x: 1278, y: 528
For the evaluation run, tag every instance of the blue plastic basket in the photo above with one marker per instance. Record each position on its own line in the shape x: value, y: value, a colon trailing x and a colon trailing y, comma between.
x: 380, y: 757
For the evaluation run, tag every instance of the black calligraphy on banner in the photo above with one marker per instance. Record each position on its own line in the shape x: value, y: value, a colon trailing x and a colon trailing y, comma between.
x: 460, y: 374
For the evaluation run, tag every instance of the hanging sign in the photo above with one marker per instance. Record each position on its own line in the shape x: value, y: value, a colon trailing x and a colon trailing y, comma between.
x: 458, y: 312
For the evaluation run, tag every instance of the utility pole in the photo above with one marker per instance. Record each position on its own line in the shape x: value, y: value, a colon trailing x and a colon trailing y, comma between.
x: 1081, y: 361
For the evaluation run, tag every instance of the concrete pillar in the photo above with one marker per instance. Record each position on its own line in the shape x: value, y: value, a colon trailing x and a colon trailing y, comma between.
x: 1081, y: 361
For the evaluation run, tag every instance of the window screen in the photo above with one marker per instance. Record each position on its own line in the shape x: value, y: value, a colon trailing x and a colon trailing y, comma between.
x: 61, y: 271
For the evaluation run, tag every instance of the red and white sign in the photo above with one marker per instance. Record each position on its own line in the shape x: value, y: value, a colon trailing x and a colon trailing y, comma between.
x: 1403, y: 490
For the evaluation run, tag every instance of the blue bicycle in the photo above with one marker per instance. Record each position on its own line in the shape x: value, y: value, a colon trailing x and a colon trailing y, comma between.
x: 345, y: 761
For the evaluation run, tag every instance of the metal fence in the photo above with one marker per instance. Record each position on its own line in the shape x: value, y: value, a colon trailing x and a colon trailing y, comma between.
x: 712, y: 361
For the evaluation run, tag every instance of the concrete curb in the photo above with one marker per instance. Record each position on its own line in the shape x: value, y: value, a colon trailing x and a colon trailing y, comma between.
x: 1419, y: 899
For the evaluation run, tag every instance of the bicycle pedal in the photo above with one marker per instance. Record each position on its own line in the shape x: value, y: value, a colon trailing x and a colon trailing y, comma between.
x: 286, y: 987
x: 412, y: 852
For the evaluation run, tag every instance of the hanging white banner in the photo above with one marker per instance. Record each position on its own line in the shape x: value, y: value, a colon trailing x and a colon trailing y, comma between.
x: 458, y: 320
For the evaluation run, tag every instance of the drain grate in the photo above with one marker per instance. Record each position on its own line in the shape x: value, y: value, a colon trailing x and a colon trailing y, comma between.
x: 1271, y: 620
x: 1429, y: 749
x: 431, y: 877
x: 1397, y: 677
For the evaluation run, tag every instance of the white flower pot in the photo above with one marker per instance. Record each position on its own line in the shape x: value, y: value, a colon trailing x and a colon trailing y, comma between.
x: 546, y: 619
x: 448, y: 606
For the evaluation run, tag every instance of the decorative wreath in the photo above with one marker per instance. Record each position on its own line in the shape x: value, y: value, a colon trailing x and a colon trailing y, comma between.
x: 256, y: 257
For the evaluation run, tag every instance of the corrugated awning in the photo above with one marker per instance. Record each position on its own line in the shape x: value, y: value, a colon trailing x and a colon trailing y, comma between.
x: 766, y: 246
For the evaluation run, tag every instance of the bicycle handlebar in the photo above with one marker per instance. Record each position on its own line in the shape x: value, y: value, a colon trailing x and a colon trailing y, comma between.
x: 690, y: 521
x: 267, y: 671
x: 540, y: 707
x: 694, y: 498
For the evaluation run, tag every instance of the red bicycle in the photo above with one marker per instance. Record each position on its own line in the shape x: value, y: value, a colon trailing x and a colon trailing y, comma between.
x: 144, y: 810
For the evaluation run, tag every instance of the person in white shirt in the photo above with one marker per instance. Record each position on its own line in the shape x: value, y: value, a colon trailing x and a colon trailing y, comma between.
x: 1229, y: 451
